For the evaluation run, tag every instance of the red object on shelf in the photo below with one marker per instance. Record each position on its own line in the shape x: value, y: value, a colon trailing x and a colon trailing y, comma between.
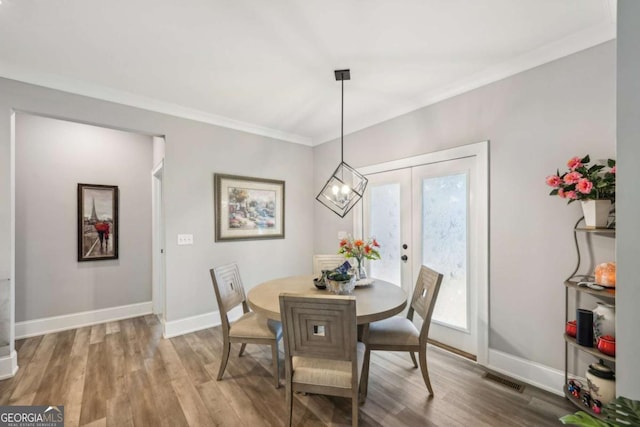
x: 607, y: 345
x: 571, y: 328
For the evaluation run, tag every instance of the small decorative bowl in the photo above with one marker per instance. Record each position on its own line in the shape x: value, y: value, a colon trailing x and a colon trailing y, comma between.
x: 607, y: 345
x: 341, y: 288
x: 320, y: 283
x: 571, y: 328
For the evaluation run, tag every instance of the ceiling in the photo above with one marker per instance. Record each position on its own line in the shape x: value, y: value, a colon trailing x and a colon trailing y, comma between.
x: 266, y: 67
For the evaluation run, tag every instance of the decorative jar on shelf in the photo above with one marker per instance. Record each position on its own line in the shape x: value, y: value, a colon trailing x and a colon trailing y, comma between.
x: 602, y: 382
x: 604, y: 320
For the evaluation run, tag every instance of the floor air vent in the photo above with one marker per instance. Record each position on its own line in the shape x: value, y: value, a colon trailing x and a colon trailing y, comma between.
x: 507, y: 382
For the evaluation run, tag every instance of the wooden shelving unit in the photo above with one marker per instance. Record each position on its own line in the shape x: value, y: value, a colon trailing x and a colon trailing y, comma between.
x: 591, y: 350
x: 607, y: 295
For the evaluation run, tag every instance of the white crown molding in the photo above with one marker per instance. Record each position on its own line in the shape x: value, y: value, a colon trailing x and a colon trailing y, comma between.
x: 569, y: 45
x: 78, y: 87
x: 573, y: 43
x: 48, y: 325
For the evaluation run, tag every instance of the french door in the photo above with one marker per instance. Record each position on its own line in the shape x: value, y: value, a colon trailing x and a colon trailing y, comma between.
x: 432, y: 214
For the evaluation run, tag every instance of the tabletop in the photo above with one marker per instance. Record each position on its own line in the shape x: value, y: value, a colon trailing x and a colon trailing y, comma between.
x: 377, y: 301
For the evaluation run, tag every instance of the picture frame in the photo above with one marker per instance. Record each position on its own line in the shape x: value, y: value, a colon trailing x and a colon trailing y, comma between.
x: 98, y: 232
x: 248, y: 208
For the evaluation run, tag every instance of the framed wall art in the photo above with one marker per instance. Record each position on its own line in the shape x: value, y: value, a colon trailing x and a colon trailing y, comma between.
x: 97, y: 222
x: 248, y: 208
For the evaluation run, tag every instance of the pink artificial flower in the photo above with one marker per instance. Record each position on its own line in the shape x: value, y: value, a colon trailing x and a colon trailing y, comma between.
x: 561, y: 193
x: 613, y: 169
x: 574, y: 163
x: 584, y: 186
x: 572, y: 178
x: 571, y: 195
x: 554, y: 181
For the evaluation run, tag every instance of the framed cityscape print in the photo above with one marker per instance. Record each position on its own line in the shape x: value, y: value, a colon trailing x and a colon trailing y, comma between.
x: 248, y: 208
x: 97, y: 222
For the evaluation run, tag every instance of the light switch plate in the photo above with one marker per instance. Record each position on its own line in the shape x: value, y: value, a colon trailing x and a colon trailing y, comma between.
x: 185, y: 239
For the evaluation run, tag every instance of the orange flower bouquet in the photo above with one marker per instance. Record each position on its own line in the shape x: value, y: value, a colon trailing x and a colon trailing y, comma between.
x: 360, y: 249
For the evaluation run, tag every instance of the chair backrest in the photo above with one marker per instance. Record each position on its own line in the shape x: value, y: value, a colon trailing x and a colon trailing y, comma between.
x: 228, y: 288
x: 326, y: 262
x: 318, y: 326
x: 424, y: 297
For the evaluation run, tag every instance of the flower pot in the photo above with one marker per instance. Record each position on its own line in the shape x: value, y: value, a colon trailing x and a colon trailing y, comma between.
x: 596, y: 213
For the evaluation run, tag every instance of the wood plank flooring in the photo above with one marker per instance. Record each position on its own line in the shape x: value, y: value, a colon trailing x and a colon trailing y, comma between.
x: 124, y: 374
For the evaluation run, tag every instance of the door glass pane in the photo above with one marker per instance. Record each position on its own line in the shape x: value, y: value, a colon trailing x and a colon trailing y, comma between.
x: 385, y: 227
x: 444, y: 244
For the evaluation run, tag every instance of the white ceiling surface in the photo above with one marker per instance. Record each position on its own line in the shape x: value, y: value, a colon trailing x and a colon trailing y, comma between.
x: 267, y: 66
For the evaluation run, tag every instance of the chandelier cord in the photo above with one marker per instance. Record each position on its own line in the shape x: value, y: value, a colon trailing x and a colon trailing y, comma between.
x: 342, y: 124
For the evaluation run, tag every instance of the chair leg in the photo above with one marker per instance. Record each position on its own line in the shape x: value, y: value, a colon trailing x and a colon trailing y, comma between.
x: 413, y: 358
x: 364, y: 376
x: 276, y: 363
x: 354, y: 408
x: 289, y: 393
x: 242, y: 347
x: 226, y: 348
x: 422, y: 354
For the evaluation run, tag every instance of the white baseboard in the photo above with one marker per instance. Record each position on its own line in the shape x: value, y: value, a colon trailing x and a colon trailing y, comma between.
x: 8, y: 365
x: 536, y: 374
x: 47, y: 325
x: 187, y: 325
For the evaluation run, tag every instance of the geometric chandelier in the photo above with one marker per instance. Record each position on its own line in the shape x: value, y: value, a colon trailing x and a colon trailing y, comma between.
x: 346, y: 186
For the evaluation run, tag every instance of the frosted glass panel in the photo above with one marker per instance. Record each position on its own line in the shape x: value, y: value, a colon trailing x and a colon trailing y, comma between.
x: 385, y: 226
x: 444, y: 244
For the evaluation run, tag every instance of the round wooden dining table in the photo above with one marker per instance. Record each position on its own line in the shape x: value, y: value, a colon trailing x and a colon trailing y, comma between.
x: 377, y: 301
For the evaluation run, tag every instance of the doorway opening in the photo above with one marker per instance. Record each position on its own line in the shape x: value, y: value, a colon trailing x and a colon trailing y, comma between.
x: 53, y: 157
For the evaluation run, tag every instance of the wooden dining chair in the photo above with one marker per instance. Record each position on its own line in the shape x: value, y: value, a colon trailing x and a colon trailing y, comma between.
x: 400, y: 333
x: 326, y: 262
x: 321, y: 348
x: 250, y: 328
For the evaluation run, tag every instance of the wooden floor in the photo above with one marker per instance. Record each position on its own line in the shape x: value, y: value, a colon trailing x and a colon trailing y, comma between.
x: 124, y: 374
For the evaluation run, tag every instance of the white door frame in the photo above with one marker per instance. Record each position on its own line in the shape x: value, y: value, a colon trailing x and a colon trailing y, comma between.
x: 9, y: 363
x: 158, y: 290
x: 480, y: 151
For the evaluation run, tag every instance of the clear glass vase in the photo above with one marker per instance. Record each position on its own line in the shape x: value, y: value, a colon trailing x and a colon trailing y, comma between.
x: 360, y: 271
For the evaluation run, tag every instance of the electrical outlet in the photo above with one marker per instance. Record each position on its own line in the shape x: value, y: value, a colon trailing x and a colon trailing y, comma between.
x: 342, y: 235
x: 185, y: 239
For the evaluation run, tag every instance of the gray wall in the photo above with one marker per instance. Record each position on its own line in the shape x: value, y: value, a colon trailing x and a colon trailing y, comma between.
x: 52, y: 157
x: 628, y: 203
x: 194, y: 151
x: 535, y: 121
